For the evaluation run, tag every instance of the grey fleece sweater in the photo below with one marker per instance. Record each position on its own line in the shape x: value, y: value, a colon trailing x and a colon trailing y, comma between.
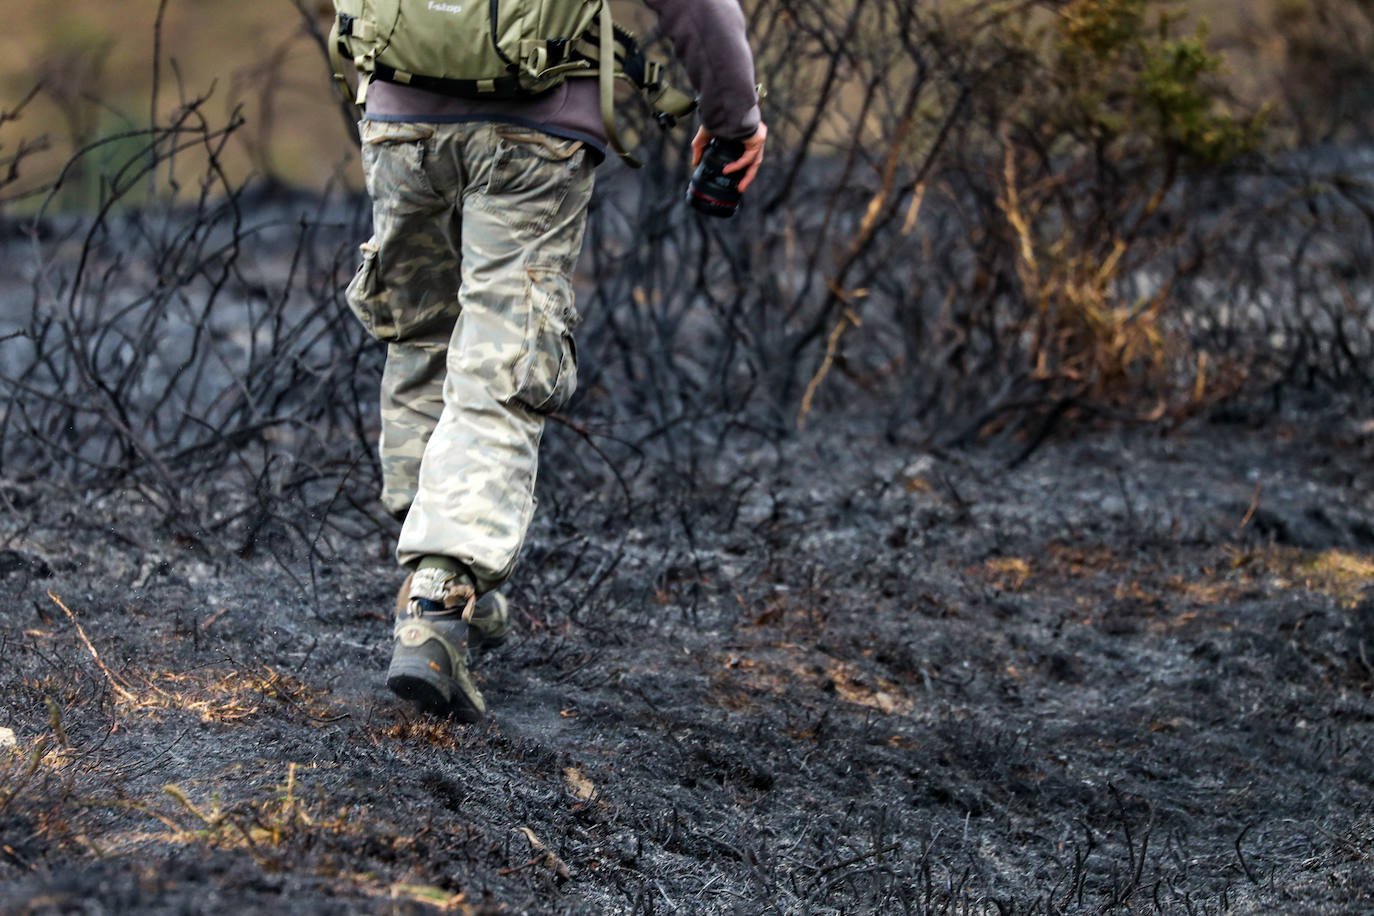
x: 708, y: 36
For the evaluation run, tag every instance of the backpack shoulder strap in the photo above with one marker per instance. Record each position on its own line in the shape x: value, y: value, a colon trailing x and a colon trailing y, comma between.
x: 606, y: 77
x: 341, y: 60
x: 617, y: 55
x: 336, y: 62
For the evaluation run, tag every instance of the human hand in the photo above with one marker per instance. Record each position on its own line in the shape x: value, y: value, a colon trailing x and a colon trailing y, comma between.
x: 749, y: 161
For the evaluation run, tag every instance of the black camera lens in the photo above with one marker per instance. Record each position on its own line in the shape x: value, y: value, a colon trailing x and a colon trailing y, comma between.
x: 712, y: 191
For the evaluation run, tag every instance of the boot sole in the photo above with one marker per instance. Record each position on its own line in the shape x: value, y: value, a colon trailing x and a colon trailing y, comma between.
x: 418, y: 684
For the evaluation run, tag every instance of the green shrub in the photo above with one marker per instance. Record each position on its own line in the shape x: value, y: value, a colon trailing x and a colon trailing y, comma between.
x: 1112, y: 107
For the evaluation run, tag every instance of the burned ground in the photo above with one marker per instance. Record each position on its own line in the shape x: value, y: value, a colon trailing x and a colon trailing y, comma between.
x: 1133, y: 673
x: 1057, y: 604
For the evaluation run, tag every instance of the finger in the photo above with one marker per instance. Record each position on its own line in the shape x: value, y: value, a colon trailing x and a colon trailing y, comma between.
x: 699, y: 142
x: 748, y: 178
x: 742, y: 162
x: 752, y: 156
x: 750, y: 164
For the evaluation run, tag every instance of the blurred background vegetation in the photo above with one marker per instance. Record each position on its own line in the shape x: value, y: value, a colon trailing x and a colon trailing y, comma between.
x: 96, y: 63
x: 96, y: 66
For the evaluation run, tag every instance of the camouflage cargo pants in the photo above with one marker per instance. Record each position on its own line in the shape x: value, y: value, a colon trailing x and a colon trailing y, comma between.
x: 468, y: 279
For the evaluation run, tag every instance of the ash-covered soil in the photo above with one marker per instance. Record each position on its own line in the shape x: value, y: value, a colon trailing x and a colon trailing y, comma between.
x: 1134, y: 673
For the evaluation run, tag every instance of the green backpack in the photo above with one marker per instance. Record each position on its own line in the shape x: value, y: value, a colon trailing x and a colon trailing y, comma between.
x: 497, y: 49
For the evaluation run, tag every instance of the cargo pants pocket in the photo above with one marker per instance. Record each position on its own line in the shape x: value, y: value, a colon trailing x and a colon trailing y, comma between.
x: 546, y: 370
x: 367, y: 301
x: 408, y: 267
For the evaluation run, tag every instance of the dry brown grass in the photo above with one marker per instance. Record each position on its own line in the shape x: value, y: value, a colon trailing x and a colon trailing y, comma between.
x: 222, y: 695
x: 216, y: 694
x: 1341, y: 574
x: 437, y: 732
x: 746, y: 677
x: 1235, y: 575
x: 256, y: 824
x: 266, y: 827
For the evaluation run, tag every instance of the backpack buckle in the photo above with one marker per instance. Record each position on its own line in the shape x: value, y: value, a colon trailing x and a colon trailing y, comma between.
x: 356, y: 27
x: 557, y: 50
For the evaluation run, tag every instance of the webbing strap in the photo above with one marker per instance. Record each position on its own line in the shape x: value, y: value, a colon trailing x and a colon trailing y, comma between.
x: 501, y: 88
x: 670, y: 102
x: 336, y: 63
x: 607, y: 78
x: 669, y: 105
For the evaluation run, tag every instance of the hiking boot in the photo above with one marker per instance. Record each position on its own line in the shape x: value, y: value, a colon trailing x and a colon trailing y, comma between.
x: 429, y: 661
x: 490, y: 623
x: 488, y: 626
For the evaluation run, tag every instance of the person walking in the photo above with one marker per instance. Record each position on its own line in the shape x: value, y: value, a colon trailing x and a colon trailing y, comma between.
x: 478, y: 210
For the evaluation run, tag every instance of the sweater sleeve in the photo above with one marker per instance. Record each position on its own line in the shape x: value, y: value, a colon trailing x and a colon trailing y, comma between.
x: 709, y: 38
